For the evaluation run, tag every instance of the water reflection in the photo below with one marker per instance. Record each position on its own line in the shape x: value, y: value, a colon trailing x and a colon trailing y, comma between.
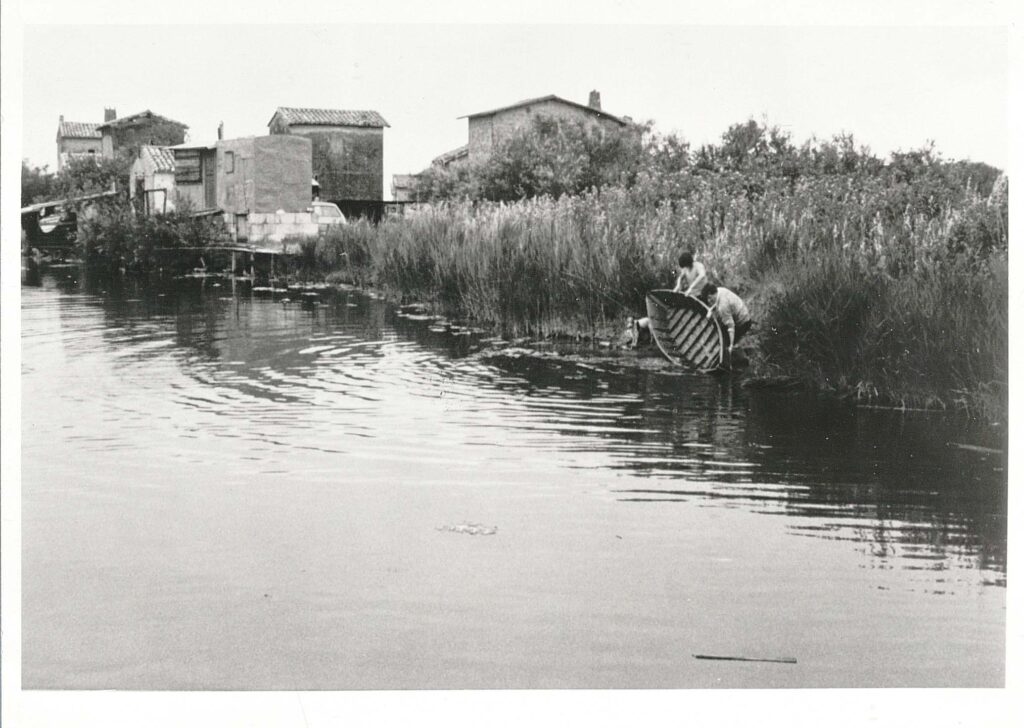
x: 286, y: 368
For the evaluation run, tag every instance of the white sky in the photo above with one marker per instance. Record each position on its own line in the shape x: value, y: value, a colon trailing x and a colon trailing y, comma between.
x: 891, y: 87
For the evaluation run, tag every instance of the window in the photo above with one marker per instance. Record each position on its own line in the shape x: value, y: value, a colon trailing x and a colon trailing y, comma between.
x: 229, y: 162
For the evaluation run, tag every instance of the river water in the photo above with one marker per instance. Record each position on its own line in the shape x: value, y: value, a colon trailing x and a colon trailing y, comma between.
x: 232, y: 489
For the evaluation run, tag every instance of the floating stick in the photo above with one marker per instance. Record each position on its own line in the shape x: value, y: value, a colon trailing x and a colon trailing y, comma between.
x: 786, y: 660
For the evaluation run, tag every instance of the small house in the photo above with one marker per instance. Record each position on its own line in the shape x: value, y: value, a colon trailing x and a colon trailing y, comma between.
x: 403, y: 187
x: 77, y: 139
x: 347, y: 154
x: 152, y: 180
x: 487, y: 129
x: 260, y: 186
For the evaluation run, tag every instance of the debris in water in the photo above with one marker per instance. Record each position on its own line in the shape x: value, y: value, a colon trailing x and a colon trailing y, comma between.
x: 471, y: 529
x: 975, y: 448
x: 786, y: 660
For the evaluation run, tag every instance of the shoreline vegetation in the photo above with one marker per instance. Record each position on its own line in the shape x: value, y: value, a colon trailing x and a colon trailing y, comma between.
x: 882, y: 281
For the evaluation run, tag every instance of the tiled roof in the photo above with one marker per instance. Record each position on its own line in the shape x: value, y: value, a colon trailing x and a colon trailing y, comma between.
x: 78, y: 130
x: 147, y: 114
x: 541, y: 99
x: 449, y: 157
x: 330, y: 117
x: 162, y: 158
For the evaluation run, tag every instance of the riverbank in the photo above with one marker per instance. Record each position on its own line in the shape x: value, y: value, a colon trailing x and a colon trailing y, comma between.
x: 908, y: 310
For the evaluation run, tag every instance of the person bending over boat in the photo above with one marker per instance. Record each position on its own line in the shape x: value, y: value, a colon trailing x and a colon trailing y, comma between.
x: 730, y: 311
x: 692, y: 276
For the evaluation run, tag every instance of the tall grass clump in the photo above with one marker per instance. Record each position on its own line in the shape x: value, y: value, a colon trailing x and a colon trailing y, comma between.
x: 915, y: 315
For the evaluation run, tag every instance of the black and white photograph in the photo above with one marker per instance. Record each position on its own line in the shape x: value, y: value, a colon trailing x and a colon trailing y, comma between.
x: 396, y: 365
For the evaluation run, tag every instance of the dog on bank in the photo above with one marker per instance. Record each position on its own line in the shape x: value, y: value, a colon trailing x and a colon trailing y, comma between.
x: 637, y: 333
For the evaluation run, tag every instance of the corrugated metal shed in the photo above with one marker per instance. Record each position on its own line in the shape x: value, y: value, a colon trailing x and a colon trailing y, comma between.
x: 162, y: 158
x: 329, y: 117
x: 78, y: 130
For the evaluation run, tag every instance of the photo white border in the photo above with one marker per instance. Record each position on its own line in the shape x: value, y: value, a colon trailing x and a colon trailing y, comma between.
x: 479, y: 708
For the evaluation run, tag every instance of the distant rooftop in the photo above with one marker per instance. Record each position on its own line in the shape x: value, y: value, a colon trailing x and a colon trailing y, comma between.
x: 329, y: 117
x: 542, y: 99
x: 78, y: 129
x: 454, y: 154
x: 162, y: 158
x: 147, y: 114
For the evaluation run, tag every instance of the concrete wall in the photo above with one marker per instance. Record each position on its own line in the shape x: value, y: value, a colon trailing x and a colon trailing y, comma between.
x: 487, y: 132
x: 264, y: 174
x: 264, y: 227
x: 284, y: 170
x: 348, y: 161
x: 236, y: 170
x: 189, y: 194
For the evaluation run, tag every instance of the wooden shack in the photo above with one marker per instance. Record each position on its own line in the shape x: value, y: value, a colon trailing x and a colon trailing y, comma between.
x: 195, y: 175
x: 152, y: 180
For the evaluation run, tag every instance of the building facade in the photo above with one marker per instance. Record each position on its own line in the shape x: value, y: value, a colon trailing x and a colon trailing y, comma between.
x: 77, y: 139
x: 347, y: 154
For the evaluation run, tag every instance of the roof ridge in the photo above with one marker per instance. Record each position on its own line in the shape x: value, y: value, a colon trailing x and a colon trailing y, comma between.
x: 548, y: 97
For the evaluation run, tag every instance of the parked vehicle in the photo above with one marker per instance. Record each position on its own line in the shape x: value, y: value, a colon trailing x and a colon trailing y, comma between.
x: 327, y: 213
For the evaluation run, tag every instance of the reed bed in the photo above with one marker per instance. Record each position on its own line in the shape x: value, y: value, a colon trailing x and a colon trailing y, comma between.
x: 854, y: 288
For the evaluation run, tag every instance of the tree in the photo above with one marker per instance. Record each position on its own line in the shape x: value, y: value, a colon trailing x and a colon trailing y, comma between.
x: 37, y: 184
x: 85, y: 176
x: 556, y: 157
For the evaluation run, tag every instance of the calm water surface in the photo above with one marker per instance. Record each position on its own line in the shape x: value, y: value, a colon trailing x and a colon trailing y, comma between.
x: 232, y: 489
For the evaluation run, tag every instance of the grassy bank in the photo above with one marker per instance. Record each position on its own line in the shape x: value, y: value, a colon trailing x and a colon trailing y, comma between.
x: 855, y: 290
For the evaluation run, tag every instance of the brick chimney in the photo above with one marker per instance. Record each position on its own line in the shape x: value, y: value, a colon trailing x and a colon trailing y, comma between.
x: 109, y: 115
x: 62, y: 118
x: 220, y: 130
x: 595, y: 100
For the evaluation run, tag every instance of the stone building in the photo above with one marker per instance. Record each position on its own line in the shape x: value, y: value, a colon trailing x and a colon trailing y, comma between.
x: 131, y: 133
x: 487, y: 129
x: 347, y: 154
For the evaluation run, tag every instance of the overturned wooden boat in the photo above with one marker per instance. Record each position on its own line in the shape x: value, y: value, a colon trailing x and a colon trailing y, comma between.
x: 682, y: 330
